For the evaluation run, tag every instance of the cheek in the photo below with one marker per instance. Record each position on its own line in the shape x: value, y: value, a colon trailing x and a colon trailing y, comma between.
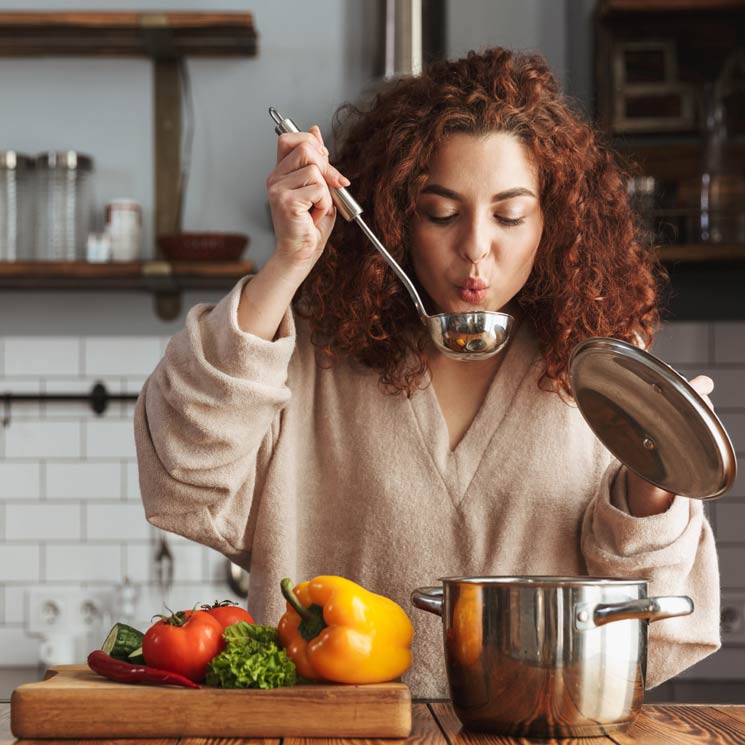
x: 528, y: 247
x: 427, y: 248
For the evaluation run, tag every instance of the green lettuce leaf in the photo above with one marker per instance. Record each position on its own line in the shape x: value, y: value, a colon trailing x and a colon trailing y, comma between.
x: 252, y: 658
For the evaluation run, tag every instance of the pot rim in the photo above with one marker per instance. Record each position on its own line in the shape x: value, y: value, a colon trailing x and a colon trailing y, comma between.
x: 543, y: 581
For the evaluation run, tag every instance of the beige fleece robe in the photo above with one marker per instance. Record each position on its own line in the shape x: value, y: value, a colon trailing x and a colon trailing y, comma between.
x: 290, y: 469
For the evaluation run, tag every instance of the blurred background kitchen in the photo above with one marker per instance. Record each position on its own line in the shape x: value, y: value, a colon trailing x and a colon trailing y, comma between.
x: 133, y: 155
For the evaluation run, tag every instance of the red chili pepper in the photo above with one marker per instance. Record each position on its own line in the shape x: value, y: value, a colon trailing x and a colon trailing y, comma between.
x: 124, y: 672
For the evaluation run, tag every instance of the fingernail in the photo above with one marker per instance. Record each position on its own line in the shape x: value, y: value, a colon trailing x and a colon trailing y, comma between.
x: 344, y: 180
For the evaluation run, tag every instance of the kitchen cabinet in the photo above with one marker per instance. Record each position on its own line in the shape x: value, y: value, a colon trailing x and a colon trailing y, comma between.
x: 435, y: 723
x: 165, y: 38
x: 658, y: 64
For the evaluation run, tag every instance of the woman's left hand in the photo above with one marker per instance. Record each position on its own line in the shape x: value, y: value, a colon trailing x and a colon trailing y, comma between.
x: 645, y: 499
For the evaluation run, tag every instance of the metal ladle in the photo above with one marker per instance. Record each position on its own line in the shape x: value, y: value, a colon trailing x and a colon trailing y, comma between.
x: 476, y: 335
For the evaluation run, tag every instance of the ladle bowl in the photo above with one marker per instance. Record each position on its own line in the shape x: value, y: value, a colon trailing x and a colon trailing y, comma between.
x: 474, y: 335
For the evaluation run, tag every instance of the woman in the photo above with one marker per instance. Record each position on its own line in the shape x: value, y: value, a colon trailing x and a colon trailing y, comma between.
x: 306, y: 425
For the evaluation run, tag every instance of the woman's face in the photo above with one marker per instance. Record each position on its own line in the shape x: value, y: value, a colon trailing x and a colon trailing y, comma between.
x: 478, y: 223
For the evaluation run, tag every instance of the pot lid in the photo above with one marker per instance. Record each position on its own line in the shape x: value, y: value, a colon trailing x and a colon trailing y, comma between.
x: 651, y: 418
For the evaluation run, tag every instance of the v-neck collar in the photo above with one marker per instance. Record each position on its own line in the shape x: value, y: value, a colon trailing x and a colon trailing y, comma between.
x: 458, y: 467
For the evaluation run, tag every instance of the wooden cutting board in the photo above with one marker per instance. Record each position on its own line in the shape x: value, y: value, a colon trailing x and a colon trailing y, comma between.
x: 74, y: 702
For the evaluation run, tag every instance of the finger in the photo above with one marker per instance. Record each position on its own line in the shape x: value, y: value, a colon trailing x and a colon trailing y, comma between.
x: 311, y: 197
x: 318, y: 214
x: 287, y: 142
x: 296, y: 180
x: 703, y: 384
x: 305, y: 154
x: 315, y: 130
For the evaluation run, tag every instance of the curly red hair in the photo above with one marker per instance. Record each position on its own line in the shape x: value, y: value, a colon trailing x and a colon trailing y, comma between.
x: 593, y: 273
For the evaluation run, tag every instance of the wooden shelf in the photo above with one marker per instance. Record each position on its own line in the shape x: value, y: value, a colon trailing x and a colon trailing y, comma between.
x: 165, y: 38
x: 147, y: 275
x: 166, y: 280
x: 607, y: 7
x: 156, y: 35
x: 704, y: 253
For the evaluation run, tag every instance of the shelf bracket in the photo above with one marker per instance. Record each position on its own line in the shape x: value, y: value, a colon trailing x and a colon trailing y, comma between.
x: 167, y: 127
x: 167, y: 304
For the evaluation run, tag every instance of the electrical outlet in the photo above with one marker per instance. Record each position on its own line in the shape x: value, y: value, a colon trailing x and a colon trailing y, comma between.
x: 52, y: 612
x: 47, y: 611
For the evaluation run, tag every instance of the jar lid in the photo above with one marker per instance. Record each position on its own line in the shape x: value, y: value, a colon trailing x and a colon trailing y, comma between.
x: 10, y: 160
x: 70, y: 159
x: 651, y: 418
x: 124, y: 203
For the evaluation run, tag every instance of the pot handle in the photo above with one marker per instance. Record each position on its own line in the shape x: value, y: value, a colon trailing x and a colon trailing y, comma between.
x: 590, y: 615
x: 429, y: 599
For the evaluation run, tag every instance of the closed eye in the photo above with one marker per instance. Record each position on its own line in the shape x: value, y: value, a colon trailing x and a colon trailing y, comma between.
x: 506, y: 221
x: 509, y: 221
x: 444, y: 220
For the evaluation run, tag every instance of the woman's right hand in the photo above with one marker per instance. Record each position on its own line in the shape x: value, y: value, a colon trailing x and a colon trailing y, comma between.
x: 302, y: 210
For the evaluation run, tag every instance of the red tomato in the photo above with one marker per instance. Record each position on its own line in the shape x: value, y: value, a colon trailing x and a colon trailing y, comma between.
x: 183, y: 643
x: 227, y: 613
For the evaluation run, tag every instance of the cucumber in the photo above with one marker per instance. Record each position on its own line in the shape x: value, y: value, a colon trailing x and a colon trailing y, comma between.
x: 136, y: 657
x: 122, y: 641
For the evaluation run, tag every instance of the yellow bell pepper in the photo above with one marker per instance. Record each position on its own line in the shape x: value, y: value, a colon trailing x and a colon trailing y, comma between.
x: 336, y: 630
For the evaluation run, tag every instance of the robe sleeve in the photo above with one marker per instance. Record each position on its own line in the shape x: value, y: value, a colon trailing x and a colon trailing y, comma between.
x: 675, y: 551
x: 205, y: 423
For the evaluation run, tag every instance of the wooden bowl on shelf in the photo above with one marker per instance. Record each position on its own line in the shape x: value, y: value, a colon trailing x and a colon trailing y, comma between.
x: 202, y: 246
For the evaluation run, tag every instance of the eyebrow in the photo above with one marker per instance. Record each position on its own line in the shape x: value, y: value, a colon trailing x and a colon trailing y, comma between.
x: 500, y: 197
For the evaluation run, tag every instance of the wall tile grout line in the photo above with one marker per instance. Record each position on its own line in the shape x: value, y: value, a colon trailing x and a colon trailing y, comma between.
x: 712, y: 343
x: 123, y: 485
x: 42, y: 562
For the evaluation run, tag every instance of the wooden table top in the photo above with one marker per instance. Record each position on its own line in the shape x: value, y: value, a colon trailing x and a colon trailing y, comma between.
x: 435, y: 723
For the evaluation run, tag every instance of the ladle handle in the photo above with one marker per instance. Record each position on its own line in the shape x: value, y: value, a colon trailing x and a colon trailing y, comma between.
x: 343, y: 200
x: 350, y: 210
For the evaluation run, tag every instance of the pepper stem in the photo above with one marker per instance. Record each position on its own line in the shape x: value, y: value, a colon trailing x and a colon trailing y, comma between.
x: 292, y: 599
x: 311, y: 619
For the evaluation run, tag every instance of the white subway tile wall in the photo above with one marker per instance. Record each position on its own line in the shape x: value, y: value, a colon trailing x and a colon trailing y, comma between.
x: 70, y: 512
x: 71, y: 518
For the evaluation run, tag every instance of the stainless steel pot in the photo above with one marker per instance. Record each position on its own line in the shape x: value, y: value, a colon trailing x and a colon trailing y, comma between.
x: 546, y: 656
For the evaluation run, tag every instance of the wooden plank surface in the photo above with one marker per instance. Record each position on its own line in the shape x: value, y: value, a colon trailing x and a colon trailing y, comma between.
x: 663, y: 725
x: 735, y: 712
x: 61, y: 706
x: 687, y: 725
x: 212, y: 741
x: 424, y: 731
x: 457, y: 735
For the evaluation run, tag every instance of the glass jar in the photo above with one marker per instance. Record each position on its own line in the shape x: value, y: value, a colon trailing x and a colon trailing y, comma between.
x: 16, y: 206
x: 64, y: 205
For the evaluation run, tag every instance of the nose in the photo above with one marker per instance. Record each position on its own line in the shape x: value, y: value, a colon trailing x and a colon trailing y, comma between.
x: 475, y: 243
